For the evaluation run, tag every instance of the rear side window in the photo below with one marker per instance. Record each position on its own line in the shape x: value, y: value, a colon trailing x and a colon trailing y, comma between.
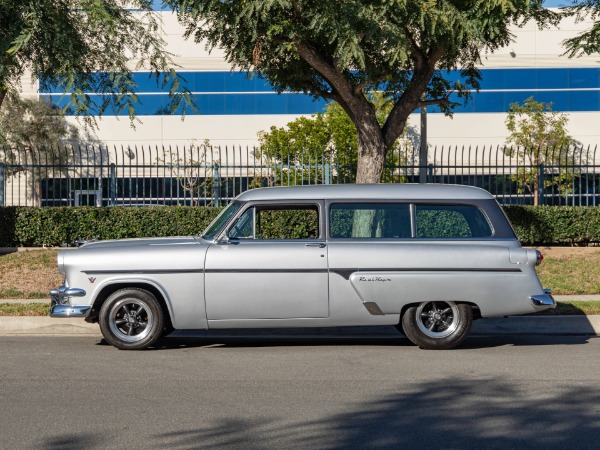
x: 369, y: 221
x: 451, y: 221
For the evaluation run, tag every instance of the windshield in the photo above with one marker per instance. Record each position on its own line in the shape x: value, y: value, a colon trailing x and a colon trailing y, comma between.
x: 217, y: 224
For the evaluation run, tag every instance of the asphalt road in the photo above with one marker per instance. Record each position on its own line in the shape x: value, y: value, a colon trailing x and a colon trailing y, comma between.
x: 310, y: 393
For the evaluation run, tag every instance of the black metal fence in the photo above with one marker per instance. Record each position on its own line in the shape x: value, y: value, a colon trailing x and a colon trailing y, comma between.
x: 199, y: 175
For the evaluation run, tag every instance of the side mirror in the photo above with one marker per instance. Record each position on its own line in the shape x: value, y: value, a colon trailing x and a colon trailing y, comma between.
x: 223, y: 241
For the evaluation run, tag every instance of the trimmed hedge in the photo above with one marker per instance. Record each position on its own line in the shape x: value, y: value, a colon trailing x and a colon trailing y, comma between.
x: 49, y: 226
x: 556, y: 225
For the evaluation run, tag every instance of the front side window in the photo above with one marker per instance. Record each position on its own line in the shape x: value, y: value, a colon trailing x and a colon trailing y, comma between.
x: 451, y: 221
x: 369, y: 221
x: 286, y: 222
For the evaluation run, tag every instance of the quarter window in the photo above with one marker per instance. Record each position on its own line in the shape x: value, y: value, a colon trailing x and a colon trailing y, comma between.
x: 451, y: 221
x: 369, y: 221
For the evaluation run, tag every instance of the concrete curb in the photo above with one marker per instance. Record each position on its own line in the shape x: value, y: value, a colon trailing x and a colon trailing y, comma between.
x: 521, y: 325
x: 41, y: 325
x: 557, y: 325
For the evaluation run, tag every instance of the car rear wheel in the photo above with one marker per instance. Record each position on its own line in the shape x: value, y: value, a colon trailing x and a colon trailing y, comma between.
x: 131, y: 319
x: 437, y: 325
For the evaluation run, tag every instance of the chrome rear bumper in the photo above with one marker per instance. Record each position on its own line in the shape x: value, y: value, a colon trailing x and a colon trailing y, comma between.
x: 60, y: 303
x: 543, y: 301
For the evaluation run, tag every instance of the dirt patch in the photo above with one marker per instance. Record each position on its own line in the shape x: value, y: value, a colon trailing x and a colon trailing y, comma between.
x: 29, y: 274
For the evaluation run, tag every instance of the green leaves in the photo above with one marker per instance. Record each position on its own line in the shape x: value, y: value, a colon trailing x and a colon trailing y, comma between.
x: 31, y: 226
x: 85, y: 46
x: 346, y: 50
x: 53, y: 226
x: 588, y: 42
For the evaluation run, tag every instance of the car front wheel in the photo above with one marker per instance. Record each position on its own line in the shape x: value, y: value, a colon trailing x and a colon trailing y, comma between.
x: 131, y: 319
x: 437, y: 325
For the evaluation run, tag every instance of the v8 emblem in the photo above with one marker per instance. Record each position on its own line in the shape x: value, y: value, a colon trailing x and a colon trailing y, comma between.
x: 92, y: 279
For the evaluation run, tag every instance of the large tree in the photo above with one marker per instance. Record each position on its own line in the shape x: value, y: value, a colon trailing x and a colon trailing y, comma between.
x: 344, y: 50
x: 83, y: 46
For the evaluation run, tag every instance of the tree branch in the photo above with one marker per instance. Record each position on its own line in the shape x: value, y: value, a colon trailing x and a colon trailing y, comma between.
x: 411, y: 97
x: 330, y: 72
x: 3, y: 92
x: 418, y: 55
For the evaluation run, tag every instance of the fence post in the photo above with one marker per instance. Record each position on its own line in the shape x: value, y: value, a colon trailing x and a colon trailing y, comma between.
x: 541, y: 184
x: 217, y: 185
x: 112, y: 185
x: 327, y: 174
x: 2, y: 174
x: 429, y: 174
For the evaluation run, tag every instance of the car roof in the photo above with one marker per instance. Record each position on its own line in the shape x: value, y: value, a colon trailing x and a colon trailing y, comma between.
x: 400, y: 191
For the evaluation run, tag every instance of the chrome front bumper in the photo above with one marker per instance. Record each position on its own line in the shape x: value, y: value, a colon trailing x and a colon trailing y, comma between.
x: 543, y: 301
x: 60, y: 305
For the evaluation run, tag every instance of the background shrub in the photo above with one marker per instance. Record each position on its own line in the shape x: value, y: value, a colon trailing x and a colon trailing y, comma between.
x: 52, y: 226
x: 556, y: 225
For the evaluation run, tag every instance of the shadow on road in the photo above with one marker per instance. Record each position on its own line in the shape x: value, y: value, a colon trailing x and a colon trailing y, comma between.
x: 448, y: 414
x: 354, y: 336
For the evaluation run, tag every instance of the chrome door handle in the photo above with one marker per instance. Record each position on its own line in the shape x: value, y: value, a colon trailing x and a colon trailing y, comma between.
x: 320, y: 245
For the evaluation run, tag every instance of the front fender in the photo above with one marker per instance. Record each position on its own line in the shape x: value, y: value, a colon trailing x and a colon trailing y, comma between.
x: 185, y: 310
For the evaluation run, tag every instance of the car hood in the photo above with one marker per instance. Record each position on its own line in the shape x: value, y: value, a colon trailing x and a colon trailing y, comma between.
x: 177, y: 253
x: 143, y: 242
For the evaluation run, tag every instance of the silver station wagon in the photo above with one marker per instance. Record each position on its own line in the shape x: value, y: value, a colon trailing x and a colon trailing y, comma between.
x: 428, y: 259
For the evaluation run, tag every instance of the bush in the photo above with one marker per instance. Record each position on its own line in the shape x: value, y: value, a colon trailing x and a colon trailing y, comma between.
x: 555, y: 225
x: 50, y: 226
x: 30, y: 226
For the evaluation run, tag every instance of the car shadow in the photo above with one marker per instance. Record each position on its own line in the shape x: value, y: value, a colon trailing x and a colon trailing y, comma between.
x: 348, y: 337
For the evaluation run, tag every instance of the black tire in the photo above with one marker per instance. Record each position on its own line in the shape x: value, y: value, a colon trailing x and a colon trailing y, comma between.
x: 437, y: 325
x: 131, y: 319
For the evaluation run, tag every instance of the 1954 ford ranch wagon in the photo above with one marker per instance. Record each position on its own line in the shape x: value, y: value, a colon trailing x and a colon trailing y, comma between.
x: 428, y: 259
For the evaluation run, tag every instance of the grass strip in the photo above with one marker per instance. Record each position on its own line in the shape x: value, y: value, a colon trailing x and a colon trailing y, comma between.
x: 574, y: 308
x: 24, y: 309
x: 565, y: 308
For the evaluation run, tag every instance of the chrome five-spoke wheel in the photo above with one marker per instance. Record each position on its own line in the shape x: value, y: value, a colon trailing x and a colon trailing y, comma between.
x: 438, y: 319
x: 437, y: 324
x: 131, y: 319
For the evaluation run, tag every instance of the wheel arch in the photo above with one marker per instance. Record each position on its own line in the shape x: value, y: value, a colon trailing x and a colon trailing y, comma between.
x: 111, y: 287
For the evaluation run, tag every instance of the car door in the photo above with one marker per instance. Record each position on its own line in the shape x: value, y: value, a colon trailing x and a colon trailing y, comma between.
x: 271, y: 265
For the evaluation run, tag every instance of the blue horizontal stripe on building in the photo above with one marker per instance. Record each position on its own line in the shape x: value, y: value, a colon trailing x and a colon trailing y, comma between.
x: 218, y: 104
x: 234, y: 93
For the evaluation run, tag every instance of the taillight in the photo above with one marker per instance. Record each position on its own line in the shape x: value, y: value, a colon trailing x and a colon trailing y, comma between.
x: 539, y: 257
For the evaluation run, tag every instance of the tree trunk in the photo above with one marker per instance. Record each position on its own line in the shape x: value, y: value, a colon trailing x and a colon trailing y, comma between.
x: 371, y: 152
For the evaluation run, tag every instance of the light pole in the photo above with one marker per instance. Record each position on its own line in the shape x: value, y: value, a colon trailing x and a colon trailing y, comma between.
x: 423, y: 145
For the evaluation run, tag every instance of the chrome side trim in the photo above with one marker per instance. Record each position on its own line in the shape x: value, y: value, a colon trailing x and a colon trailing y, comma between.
x: 140, y: 272
x: 69, y: 311
x: 373, y: 308
x: 346, y: 273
